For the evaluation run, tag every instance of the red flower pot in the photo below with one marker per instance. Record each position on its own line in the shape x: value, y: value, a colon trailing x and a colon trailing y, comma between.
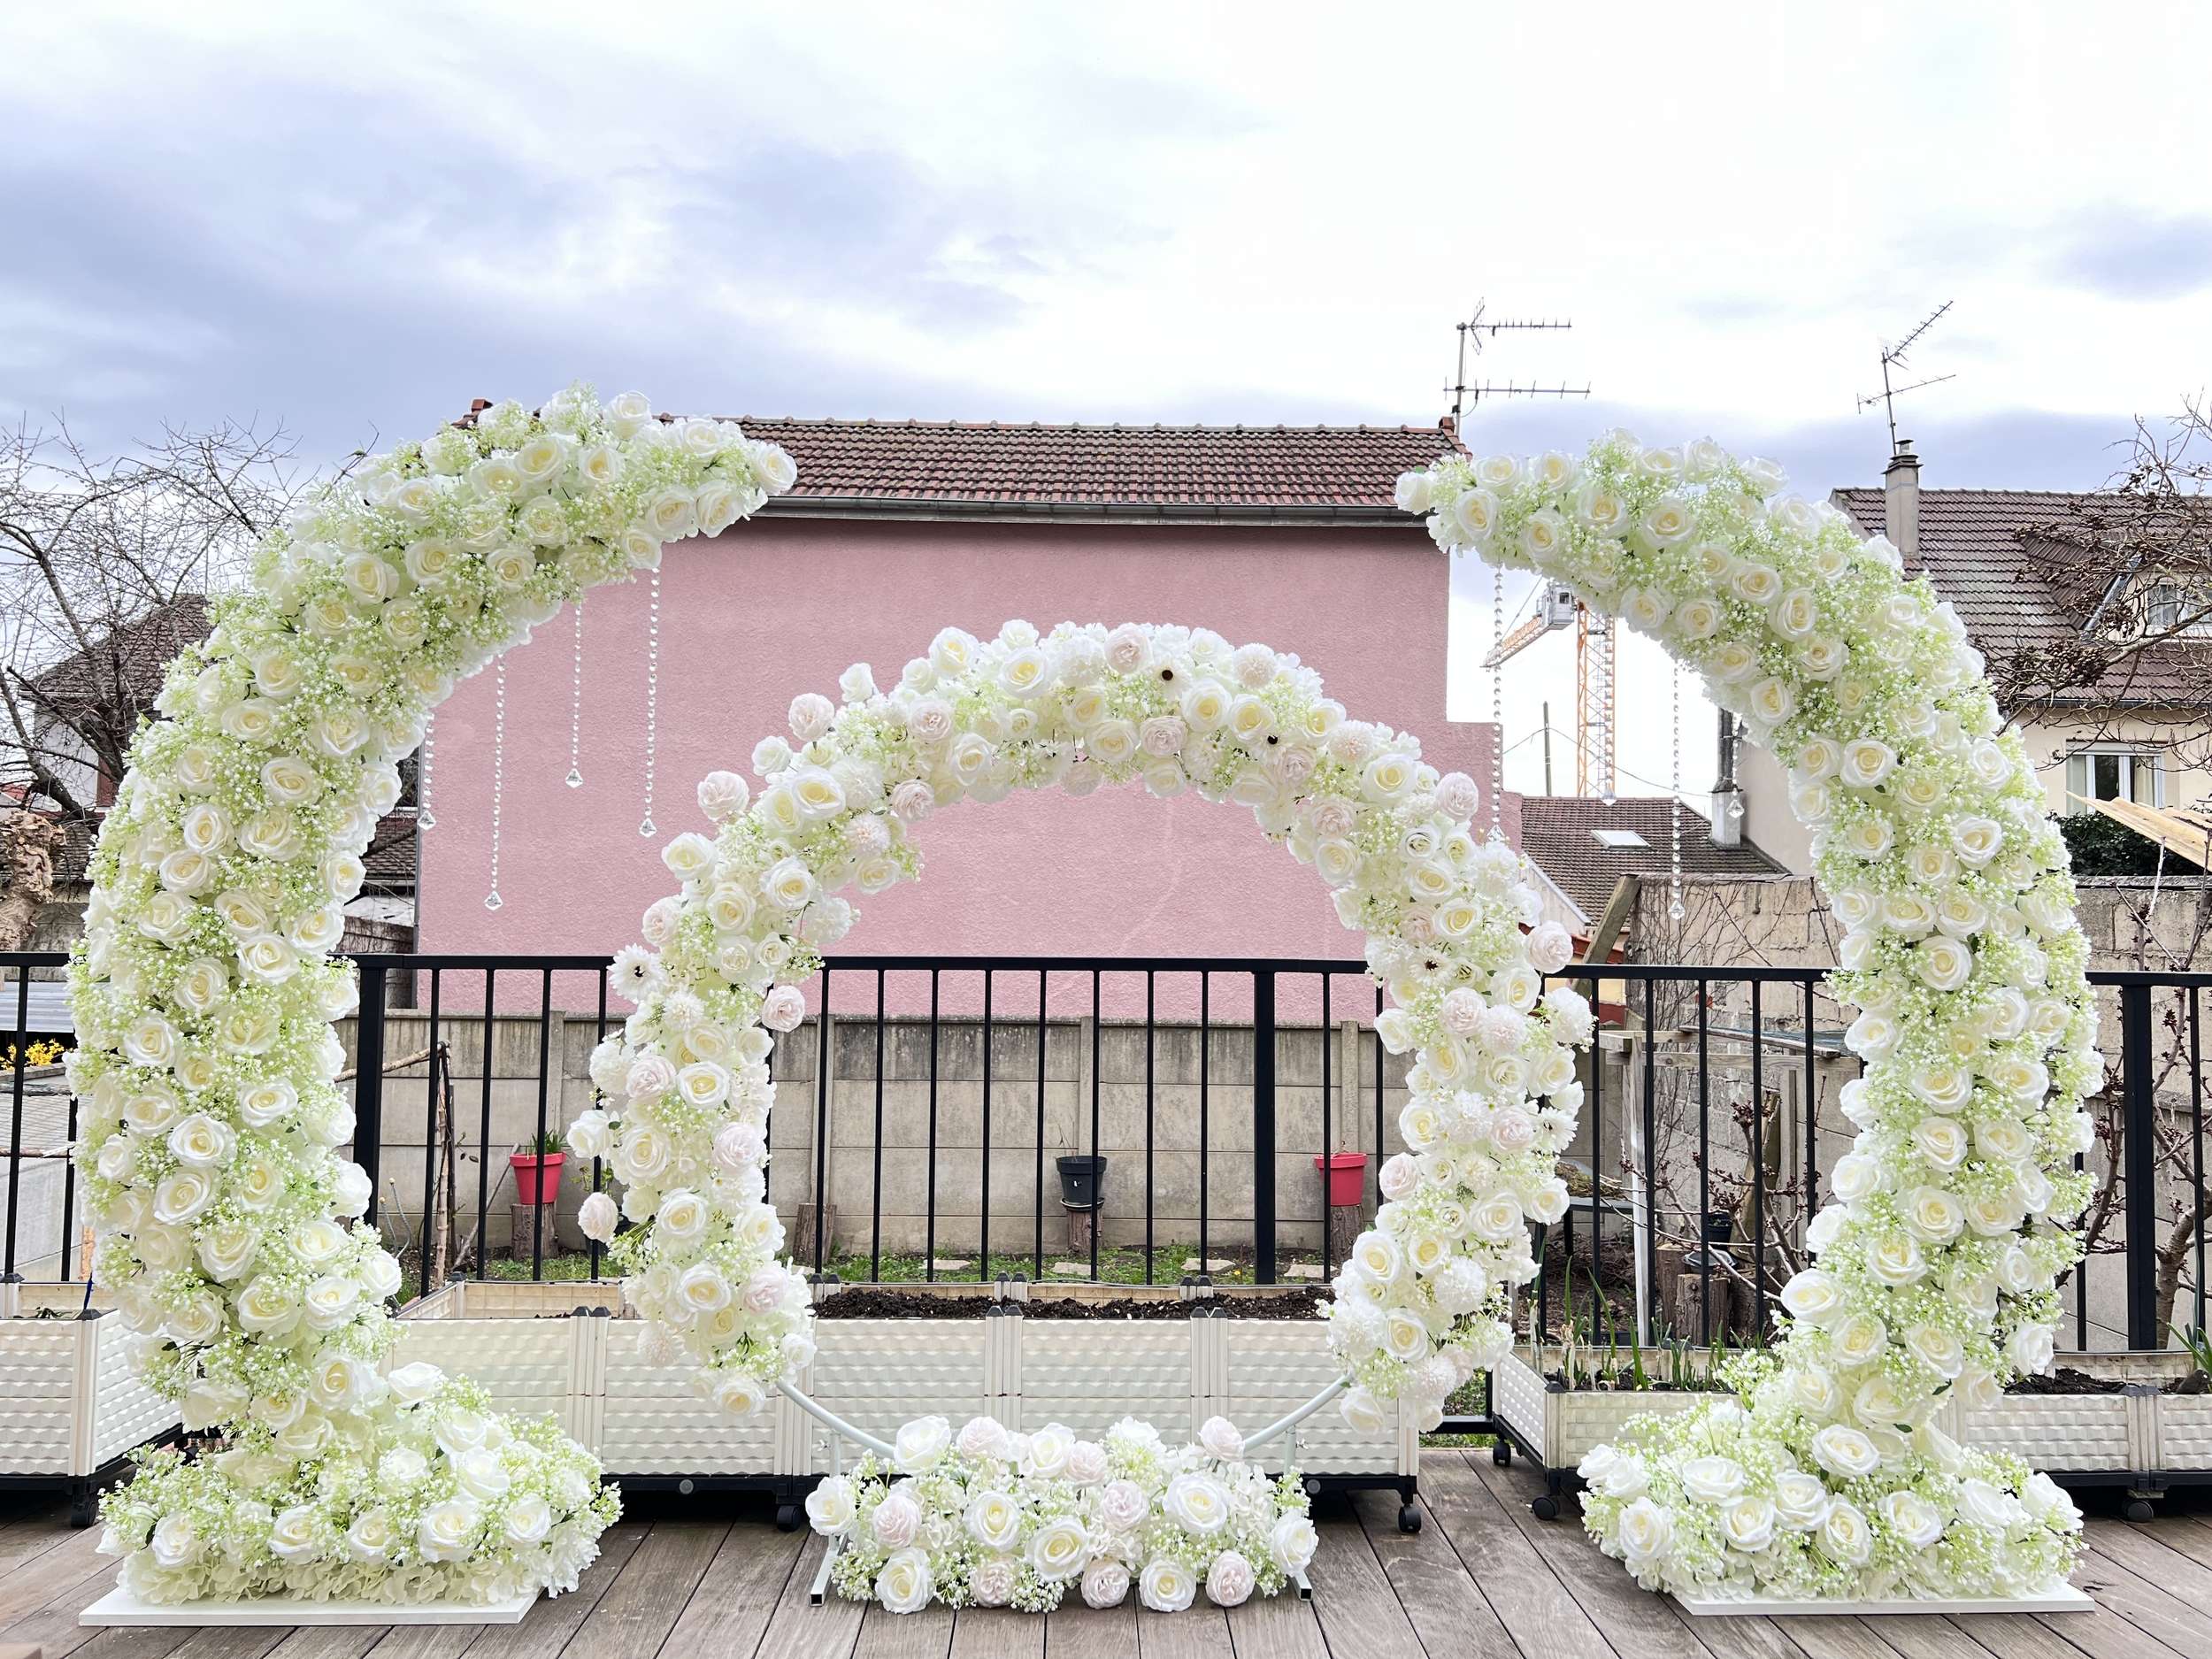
x: 1348, y: 1176
x: 531, y: 1170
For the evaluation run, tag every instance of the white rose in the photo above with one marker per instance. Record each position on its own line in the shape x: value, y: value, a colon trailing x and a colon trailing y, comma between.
x: 921, y: 1445
x: 447, y: 1530
x: 906, y: 1582
x: 1843, y: 1450
x: 1220, y: 1438
x: 1230, y: 1579
x: 1713, y: 1480
x: 1646, y: 1533
x: 1747, y: 1524
x: 1122, y: 1505
x: 1058, y: 1550
x: 1105, y: 1584
x: 832, y: 1506
x: 1196, y: 1502
x: 1166, y: 1585
x: 1913, y: 1518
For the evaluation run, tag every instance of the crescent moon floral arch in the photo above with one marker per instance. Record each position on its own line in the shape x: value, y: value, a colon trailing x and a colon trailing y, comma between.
x: 1825, y: 1475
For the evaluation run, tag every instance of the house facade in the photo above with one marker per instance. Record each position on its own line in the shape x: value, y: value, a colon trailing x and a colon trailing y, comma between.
x: 1284, y: 535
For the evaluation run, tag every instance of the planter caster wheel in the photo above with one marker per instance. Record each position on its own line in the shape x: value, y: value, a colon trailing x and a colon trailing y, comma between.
x: 1409, y: 1517
x: 84, y: 1507
x: 2139, y: 1510
x: 787, y: 1518
x: 1501, y: 1454
x: 1544, y: 1508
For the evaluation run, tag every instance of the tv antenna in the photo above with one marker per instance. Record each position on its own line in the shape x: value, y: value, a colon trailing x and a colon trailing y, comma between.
x: 1895, y: 356
x: 1481, y: 327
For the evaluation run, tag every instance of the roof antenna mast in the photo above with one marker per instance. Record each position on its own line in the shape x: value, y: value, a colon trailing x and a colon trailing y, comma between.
x: 1894, y: 356
x: 1481, y: 328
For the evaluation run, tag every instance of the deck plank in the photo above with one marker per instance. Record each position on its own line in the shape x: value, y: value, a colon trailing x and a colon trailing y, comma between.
x: 1528, y: 1597
x: 924, y: 1635
x: 33, y: 1583
x: 425, y: 1641
x: 329, y: 1641
x: 1200, y: 1632
x: 1076, y: 1631
x: 730, y: 1609
x: 1359, y: 1610
x: 552, y: 1624
x: 1446, y: 1608
x: 2144, y: 1551
x: 1633, y: 1620
x: 1000, y: 1632
x: 1927, y: 1636
x: 234, y: 1642
x: 52, y: 1624
x: 796, y: 1629
x: 2098, y: 1635
x: 632, y: 1619
x: 1278, y: 1627
x: 2141, y: 1603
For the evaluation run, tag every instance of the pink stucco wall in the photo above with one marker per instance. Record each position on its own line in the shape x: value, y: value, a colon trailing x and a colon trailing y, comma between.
x: 783, y: 605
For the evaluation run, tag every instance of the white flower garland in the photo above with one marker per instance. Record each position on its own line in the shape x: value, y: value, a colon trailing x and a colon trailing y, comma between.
x: 229, y: 1229
x: 998, y: 1519
x: 1826, y: 1475
x: 1426, y: 1304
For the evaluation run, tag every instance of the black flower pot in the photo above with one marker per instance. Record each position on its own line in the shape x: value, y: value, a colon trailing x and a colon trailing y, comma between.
x: 1082, y: 1180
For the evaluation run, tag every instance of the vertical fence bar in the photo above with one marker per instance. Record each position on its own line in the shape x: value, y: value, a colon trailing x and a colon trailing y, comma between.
x: 821, y: 1128
x: 432, y: 1146
x: 2138, y: 1103
x: 2196, y: 1138
x: 1039, y: 1272
x: 537, y: 1149
x: 1704, y: 1165
x: 1098, y: 1172
x: 1262, y: 1127
x: 929, y: 1237
x: 15, y: 1129
x: 1378, y: 1097
x: 875, y: 1190
x: 1597, y: 1183
x: 69, y: 1198
x: 1328, y: 1140
x: 1812, y: 1113
x: 600, y: 1037
x: 1758, y: 1171
x: 1205, y: 1110
x: 983, y: 1223
x: 368, y: 1080
x: 484, y: 1134
x: 1651, y: 1157
x: 1151, y: 1031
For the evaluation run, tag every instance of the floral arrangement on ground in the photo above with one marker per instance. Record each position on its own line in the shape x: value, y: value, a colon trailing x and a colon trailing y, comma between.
x: 1824, y: 1474
x: 994, y: 1518
x: 230, y: 1229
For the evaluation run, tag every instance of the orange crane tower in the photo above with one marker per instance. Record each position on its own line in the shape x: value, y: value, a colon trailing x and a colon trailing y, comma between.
x: 1597, y: 657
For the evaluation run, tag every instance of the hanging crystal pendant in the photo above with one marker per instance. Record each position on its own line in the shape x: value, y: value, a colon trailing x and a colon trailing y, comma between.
x: 425, y: 819
x: 1675, y: 910
x: 499, y: 775
x: 1735, y: 803
x: 575, y: 778
x: 652, y: 693
x: 1497, y: 700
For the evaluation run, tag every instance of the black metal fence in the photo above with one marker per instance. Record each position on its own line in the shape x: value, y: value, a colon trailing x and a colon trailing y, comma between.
x: 1710, y: 1117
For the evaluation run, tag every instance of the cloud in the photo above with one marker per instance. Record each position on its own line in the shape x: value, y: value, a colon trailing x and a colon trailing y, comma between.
x: 2123, y: 253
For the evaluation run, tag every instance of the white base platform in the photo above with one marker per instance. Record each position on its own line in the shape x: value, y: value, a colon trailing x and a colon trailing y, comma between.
x: 2065, y: 1599
x: 118, y: 1606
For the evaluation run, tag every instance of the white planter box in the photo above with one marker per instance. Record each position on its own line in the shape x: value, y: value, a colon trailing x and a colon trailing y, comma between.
x: 71, y: 1406
x: 2142, y: 1432
x: 644, y: 1421
x: 1560, y: 1426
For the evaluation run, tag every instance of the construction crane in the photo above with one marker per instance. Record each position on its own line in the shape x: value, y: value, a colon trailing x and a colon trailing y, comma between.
x: 1596, y: 687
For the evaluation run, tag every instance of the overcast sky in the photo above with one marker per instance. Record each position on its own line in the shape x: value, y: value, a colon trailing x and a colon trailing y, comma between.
x: 354, y: 219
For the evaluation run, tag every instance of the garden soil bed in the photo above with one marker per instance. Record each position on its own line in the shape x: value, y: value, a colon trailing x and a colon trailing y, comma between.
x: 875, y: 1302
x: 2066, y: 1380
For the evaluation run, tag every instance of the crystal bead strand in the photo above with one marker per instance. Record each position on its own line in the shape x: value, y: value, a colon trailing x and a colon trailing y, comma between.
x: 1675, y: 910
x: 576, y: 707
x: 492, y: 901
x: 652, y: 695
x: 425, y: 819
x: 1497, y: 698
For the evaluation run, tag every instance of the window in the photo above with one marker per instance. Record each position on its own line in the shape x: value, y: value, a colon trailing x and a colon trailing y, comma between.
x: 1617, y: 838
x: 2171, y: 604
x: 2111, y: 774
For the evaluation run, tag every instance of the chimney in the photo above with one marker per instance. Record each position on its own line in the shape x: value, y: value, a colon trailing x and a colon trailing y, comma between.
x: 1901, y: 504
x: 1727, y: 825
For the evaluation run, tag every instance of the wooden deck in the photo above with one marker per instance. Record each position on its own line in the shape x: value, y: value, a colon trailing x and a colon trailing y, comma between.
x: 1483, y: 1579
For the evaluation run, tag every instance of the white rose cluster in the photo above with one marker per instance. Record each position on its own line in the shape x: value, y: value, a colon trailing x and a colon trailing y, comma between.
x: 1447, y: 913
x: 229, y: 1229
x: 990, y: 1518
x: 453, y: 1502
x: 1952, y: 1215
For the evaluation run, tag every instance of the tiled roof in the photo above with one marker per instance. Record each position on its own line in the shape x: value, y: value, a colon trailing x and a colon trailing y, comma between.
x: 1555, y: 833
x: 2020, y: 594
x: 1281, y: 474
x: 139, y: 652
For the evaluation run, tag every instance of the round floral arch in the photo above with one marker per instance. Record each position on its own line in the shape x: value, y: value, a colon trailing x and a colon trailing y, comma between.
x: 230, y: 1229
